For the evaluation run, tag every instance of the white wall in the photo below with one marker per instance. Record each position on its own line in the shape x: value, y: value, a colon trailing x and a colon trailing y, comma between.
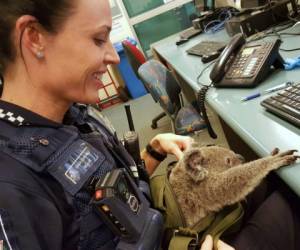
x: 121, y: 28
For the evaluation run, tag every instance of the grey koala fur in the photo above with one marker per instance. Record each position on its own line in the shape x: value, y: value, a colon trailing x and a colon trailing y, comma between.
x: 207, y: 179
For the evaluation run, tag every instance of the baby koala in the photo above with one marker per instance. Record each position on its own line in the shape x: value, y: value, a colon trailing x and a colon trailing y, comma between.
x: 209, y: 178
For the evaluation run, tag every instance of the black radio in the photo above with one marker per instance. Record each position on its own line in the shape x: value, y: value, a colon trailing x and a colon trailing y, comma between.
x: 126, y: 211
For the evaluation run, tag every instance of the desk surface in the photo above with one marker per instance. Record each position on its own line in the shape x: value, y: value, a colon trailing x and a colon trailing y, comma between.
x: 261, y: 130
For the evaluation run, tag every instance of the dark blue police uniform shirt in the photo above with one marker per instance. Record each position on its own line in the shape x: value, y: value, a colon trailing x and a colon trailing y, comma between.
x: 34, y: 212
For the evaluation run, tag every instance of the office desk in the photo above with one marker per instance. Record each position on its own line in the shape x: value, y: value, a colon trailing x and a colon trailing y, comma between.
x: 259, y: 129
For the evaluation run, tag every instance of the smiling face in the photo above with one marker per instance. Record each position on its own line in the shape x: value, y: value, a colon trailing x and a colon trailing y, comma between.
x: 78, y: 54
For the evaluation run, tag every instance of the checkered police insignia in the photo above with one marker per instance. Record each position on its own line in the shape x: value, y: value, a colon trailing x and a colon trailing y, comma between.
x: 8, y: 238
x: 11, y: 117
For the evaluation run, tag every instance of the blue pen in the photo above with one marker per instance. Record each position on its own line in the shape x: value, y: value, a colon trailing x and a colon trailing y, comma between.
x: 268, y: 91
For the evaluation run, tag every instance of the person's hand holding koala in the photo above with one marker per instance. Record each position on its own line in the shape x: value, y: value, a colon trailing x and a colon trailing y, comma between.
x: 207, y: 179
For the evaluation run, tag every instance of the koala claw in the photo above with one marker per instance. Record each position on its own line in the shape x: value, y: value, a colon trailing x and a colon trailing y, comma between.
x: 288, y: 159
x: 288, y: 152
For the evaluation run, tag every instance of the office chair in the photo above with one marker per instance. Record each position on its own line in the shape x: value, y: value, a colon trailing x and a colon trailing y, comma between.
x: 134, y: 55
x: 136, y: 59
x: 162, y: 84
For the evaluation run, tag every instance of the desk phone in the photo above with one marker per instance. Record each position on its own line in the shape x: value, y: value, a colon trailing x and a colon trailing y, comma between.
x: 245, y: 65
x: 241, y: 65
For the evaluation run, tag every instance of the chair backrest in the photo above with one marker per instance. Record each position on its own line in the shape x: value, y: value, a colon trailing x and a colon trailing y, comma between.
x: 134, y: 55
x: 162, y: 86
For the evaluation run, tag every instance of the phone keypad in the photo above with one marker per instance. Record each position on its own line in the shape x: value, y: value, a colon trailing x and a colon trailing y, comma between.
x: 238, y: 69
x: 250, y: 68
x: 246, y: 66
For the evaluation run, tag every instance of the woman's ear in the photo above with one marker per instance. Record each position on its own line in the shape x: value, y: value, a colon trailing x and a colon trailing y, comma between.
x: 193, y: 163
x: 29, y: 34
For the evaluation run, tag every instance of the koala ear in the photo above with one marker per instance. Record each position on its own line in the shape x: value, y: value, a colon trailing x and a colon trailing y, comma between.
x: 193, y: 163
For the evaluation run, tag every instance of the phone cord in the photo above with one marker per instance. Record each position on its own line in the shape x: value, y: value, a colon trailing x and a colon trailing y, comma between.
x: 201, y: 103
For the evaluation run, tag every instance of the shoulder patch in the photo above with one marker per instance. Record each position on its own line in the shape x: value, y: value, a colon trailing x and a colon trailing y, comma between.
x: 8, y: 240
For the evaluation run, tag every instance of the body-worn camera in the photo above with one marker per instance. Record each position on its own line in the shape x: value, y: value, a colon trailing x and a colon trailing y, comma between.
x: 126, y: 211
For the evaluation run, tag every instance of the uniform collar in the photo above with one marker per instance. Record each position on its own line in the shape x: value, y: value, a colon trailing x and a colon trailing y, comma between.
x: 19, y: 116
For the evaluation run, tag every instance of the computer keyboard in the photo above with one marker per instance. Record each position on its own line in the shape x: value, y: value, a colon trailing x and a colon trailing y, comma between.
x: 206, y: 48
x: 285, y: 104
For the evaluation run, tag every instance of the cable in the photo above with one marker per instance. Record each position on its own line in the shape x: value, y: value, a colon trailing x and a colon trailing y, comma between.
x: 218, y: 24
x: 288, y: 50
x: 290, y: 34
x: 286, y: 33
x: 202, y: 71
x: 271, y: 31
x: 201, y: 102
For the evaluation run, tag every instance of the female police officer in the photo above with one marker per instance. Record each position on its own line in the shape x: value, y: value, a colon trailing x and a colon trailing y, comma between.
x: 53, y: 54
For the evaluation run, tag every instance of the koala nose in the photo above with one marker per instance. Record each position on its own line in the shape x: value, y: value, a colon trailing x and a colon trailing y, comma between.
x: 241, y: 158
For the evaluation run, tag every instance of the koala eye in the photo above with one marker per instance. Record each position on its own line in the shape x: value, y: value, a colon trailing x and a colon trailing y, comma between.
x: 228, y: 161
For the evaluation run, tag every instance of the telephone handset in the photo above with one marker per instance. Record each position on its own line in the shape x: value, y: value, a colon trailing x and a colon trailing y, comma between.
x: 218, y: 70
x: 245, y: 65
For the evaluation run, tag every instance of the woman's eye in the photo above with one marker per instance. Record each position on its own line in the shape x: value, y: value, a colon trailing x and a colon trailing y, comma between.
x: 99, y: 42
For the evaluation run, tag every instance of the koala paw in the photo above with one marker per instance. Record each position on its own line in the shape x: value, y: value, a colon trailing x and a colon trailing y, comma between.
x: 284, y: 158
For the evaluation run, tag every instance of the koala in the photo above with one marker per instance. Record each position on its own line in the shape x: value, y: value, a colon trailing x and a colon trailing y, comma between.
x: 209, y: 178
